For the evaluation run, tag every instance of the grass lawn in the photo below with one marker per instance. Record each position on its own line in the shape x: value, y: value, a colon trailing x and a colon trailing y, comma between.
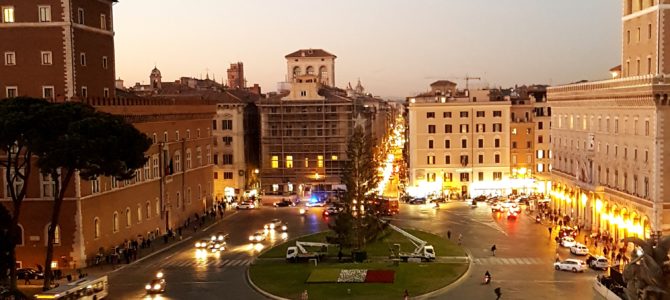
x: 443, y: 247
x: 289, y: 280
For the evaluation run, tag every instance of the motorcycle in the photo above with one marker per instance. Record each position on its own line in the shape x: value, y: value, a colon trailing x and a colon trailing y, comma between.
x: 303, y: 212
x: 487, y: 279
x: 538, y: 219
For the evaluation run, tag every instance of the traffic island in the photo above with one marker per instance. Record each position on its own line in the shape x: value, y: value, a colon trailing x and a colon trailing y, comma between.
x: 378, y: 277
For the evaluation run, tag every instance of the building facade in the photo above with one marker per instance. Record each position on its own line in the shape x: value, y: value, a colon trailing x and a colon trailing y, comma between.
x: 236, y: 78
x: 608, y: 137
x: 70, y: 43
x: 459, y: 142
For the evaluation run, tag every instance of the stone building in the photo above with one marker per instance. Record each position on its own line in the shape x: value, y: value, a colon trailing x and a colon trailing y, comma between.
x: 608, y: 137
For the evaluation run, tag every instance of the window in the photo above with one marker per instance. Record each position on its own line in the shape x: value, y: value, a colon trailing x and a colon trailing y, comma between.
x: 497, y: 158
x: 464, y: 143
x: 480, y: 128
x: 497, y: 127
x: 227, y: 175
x: 480, y: 176
x: 80, y: 16
x: 431, y: 128
x: 46, y: 58
x: 306, y: 162
x: 10, y: 58
x: 177, y: 161
x: 447, y: 159
x: 105, y: 63
x: 430, y: 159
x: 540, y: 154
x: 319, y: 161
x: 8, y: 14
x: 148, y: 210
x: 56, y: 234
x: 333, y: 157
x: 480, y: 158
x: 649, y: 31
x: 44, y: 13
x: 513, y: 145
x: 464, y: 160
x: 227, y: 140
x: 430, y: 115
x: 430, y: 144
x: 198, y: 156
x: 115, y: 222
x: 481, y: 114
x: 139, y: 211
x: 96, y: 227
x: 513, y: 130
x: 464, y: 114
x: 82, y: 59
x: 95, y: 185
x: 275, y: 162
x: 448, y: 128
x: 48, y: 92
x: 208, y: 153
x: 646, y: 187
x: 628, y: 37
x: 188, y: 134
x: 539, y: 125
x: 648, y: 65
x: 84, y: 91
x: 497, y: 143
x: 129, y: 218
x: 497, y: 113
x: 105, y: 92
x: 465, y: 177
x: 158, y: 208
x: 447, y: 144
x: 497, y: 175
x: 540, y: 140
x: 227, y: 159
x: 446, y: 114
x: 448, y: 177
x: 480, y: 143
x: 103, y: 22
x: 646, y: 128
x: 188, y: 159
x: 646, y: 155
x: 303, y: 93
x: 12, y: 91
x: 289, y: 162
x: 514, y: 159
x: 214, y: 124
x: 465, y: 128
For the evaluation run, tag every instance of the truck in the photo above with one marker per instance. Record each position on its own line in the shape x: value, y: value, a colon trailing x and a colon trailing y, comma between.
x: 422, y: 251
x: 300, y: 253
x: 389, y: 207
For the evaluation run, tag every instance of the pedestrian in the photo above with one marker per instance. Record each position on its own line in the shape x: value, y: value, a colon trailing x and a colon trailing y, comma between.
x: 550, y: 229
x: 304, y: 295
x: 406, y: 295
x: 605, y: 250
x: 586, y: 240
x: 558, y: 256
x: 448, y: 234
x: 339, y: 255
x: 498, y: 292
x: 26, y: 279
x: 595, y: 242
x: 460, y: 238
x: 493, y: 249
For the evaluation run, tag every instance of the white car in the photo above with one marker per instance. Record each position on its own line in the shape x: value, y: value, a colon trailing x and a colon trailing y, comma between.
x: 496, y: 207
x: 508, y: 203
x: 257, y: 237
x: 599, y: 262
x: 568, y: 242
x: 579, y: 249
x: 246, y: 205
x: 574, y: 265
x: 276, y: 224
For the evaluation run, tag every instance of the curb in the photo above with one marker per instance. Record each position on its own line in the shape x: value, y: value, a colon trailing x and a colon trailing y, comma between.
x: 452, y: 285
x: 169, y: 247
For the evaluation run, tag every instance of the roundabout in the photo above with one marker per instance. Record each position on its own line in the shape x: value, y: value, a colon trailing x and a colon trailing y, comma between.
x: 379, y: 276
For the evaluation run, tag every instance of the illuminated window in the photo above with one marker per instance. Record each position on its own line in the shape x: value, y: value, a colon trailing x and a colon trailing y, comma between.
x: 540, y: 167
x: 275, y: 162
x: 8, y: 14
x: 319, y: 162
x: 96, y: 227
x: 513, y: 130
x: 334, y: 157
x: 540, y: 153
x: 306, y: 162
x: 289, y: 162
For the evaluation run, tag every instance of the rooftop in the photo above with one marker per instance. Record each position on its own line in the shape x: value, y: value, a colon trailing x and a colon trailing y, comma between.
x: 310, y: 53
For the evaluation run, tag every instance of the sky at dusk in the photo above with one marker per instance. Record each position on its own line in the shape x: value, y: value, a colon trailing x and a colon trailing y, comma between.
x: 397, y: 48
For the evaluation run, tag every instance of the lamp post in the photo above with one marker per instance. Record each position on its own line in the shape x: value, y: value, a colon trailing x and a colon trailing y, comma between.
x: 260, y: 186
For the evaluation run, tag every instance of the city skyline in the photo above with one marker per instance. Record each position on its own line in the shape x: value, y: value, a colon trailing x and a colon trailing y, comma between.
x: 541, y: 50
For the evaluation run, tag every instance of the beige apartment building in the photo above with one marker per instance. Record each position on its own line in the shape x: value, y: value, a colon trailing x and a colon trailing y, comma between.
x: 608, y: 137
x: 459, y: 142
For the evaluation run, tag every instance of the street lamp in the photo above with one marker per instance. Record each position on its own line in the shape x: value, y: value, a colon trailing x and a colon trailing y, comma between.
x: 260, y: 187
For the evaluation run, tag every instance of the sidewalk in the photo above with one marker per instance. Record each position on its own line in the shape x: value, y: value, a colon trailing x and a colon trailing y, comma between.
x: 104, y: 268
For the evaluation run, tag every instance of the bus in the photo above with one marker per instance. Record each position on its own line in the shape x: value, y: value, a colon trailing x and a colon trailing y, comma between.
x: 88, y: 288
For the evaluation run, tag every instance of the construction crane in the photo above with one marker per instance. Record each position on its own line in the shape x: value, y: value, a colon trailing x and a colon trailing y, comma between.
x: 467, y: 81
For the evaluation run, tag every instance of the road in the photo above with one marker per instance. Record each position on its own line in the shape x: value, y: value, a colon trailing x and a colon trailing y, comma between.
x: 523, y: 265
x: 211, y: 277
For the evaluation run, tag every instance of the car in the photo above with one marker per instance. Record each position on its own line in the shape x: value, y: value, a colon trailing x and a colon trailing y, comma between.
x: 156, y: 285
x: 512, y: 214
x: 579, y: 249
x: 496, y: 207
x: 257, y: 237
x: 514, y: 208
x: 567, y: 231
x: 316, y: 204
x: 406, y: 198
x: 219, y: 237
x: 507, y: 204
x: 439, y: 200
x: 29, y: 273
x: 215, y: 247
x: 331, y: 211
x: 417, y: 201
x: 568, y: 241
x: 597, y: 262
x: 276, y: 224
x: 246, y: 205
x: 284, y: 203
x: 574, y: 265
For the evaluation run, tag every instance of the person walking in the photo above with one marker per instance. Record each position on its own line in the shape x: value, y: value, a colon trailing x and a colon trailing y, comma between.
x: 558, y: 256
x: 498, y: 292
x: 406, y: 295
x: 493, y: 249
x: 304, y: 295
x: 460, y: 238
x: 448, y: 234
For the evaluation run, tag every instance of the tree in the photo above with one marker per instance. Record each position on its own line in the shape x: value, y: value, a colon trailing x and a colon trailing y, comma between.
x: 89, y: 143
x: 18, y: 136
x: 358, y: 222
x: 647, y: 276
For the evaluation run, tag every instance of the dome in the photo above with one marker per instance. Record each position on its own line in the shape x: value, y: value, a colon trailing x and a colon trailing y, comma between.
x: 155, y: 72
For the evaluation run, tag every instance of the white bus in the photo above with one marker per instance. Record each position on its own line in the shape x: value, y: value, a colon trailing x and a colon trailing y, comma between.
x: 89, y: 288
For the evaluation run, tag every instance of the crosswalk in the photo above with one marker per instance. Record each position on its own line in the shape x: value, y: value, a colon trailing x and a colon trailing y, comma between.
x: 511, y: 261
x: 222, y: 263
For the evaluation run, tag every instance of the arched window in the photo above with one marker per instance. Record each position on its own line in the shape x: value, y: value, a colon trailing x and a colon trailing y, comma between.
x: 139, y: 213
x: 56, y: 234
x: 115, y: 222
x: 179, y: 200
x: 310, y: 70
x: 188, y: 159
x: 128, y: 217
x: 158, y: 208
x: 296, y: 71
x: 199, y: 192
x: 188, y: 196
x: 177, y: 161
x: 96, y: 227
x: 19, y: 235
x: 323, y: 72
x: 148, y: 208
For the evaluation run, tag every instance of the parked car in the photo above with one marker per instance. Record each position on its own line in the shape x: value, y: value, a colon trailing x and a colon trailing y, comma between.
x: 284, y: 203
x: 246, y: 205
x: 29, y: 274
x: 568, y: 241
x: 567, y: 231
x: 579, y: 249
x: 331, y: 211
x: 597, y: 262
x: 496, y: 207
x: 276, y: 224
x: 574, y: 265
x: 417, y: 201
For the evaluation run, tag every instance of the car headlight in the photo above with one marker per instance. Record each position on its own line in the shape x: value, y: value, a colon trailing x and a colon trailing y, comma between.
x: 272, y: 226
x: 147, y: 287
x: 266, y: 226
x: 284, y: 227
x: 251, y: 206
x: 258, y: 238
x: 213, y: 238
x: 251, y: 238
x: 197, y: 245
x: 157, y: 286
